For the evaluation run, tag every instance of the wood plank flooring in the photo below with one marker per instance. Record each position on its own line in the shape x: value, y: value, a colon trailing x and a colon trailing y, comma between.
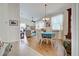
x: 44, y: 49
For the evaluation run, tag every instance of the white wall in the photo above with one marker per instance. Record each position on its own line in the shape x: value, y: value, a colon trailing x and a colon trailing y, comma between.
x: 9, y: 12
x: 26, y: 21
x: 75, y: 30
x: 65, y: 22
x: 78, y: 26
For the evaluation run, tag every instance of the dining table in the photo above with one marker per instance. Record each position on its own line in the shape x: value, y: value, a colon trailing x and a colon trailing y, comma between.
x: 48, y: 34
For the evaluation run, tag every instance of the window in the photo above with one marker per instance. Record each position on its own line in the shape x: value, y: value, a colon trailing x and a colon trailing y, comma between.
x: 40, y: 25
x: 57, y: 22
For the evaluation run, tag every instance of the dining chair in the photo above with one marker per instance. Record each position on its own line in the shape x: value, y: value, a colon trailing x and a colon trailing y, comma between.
x: 39, y: 36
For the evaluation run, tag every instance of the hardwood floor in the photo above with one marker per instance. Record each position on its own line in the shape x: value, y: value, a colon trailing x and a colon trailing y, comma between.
x: 44, y: 49
x: 31, y: 47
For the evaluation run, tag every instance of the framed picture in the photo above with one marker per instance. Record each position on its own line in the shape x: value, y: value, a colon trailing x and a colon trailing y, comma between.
x: 13, y: 22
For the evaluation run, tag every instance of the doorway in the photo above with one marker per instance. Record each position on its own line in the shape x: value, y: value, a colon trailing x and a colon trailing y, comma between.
x: 23, y: 32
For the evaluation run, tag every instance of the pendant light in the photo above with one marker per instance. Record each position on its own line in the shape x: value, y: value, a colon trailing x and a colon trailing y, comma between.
x: 45, y: 18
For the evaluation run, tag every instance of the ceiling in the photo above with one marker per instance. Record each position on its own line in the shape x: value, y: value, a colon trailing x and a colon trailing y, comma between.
x: 37, y: 10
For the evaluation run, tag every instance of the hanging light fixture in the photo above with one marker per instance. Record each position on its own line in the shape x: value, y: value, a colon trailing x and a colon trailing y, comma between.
x: 45, y: 18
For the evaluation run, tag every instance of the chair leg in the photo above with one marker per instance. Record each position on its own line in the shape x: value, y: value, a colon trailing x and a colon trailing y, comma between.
x: 52, y: 43
x: 40, y: 42
x: 47, y: 41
